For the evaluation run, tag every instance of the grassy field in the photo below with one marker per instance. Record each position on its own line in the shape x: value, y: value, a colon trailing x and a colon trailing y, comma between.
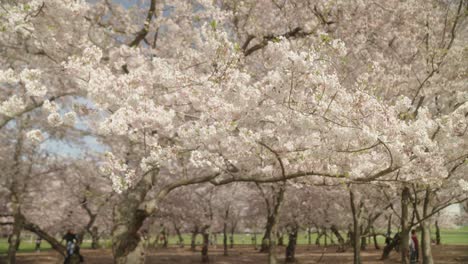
x: 449, y: 237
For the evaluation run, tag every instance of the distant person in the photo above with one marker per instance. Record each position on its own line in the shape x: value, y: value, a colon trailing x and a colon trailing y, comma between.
x: 414, y: 246
x: 388, y: 238
x: 38, y: 244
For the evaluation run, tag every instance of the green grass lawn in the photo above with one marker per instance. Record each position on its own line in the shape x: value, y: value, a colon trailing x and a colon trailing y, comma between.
x: 449, y: 237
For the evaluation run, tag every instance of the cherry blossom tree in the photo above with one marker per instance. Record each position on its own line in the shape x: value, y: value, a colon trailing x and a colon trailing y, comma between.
x: 270, y: 92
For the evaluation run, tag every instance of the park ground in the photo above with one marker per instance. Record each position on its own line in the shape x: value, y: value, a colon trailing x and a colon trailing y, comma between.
x: 454, y: 249
x: 444, y: 254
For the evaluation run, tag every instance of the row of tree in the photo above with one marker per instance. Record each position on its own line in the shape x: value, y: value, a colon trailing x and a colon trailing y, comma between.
x: 360, y: 107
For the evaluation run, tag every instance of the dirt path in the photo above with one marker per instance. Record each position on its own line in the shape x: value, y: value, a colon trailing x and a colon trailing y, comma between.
x: 247, y: 255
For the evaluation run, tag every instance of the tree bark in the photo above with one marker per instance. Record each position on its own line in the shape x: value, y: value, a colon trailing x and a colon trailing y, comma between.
x: 45, y: 236
x: 376, y: 244
x: 14, y: 237
x: 437, y: 232
x: 231, y: 239
x: 179, y: 235
x: 356, y: 233
x: 426, y: 243
x: 363, y: 240
x: 193, y: 242
x: 405, y: 226
x: 309, y: 236
x: 225, y: 236
x: 426, y: 231
x: 341, y: 241
x: 267, y: 234
x: 90, y: 229
x: 394, y: 243
x: 274, y: 232
x: 291, y: 248
x: 94, y: 237
x: 319, y: 235
x: 127, y: 246
x: 206, y: 244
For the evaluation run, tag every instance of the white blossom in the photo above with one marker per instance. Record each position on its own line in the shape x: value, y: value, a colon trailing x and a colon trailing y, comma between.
x: 8, y: 76
x: 69, y: 118
x: 35, y: 136
x: 49, y: 106
x: 463, y: 185
x: 12, y: 106
x: 55, y: 119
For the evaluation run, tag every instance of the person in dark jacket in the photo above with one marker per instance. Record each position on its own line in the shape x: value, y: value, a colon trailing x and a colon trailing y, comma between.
x: 38, y: 244
x: 73, y: 249
x: 70, y: 240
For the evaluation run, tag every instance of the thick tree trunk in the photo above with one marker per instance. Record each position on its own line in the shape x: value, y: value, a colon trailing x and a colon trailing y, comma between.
x: 274, y: 228
x: 291, y: 248
x: 394, y: 244
x: 42, y: 234
x: 267, y: 234
x: 437, y: 232
x: 426, y: 231
x: 363, y: 240
x: 14, y: 237
x: 179, y: 235
x: 356, y: 233
x: 90, y: 228
x: 341, y: 241
x: 374, y: 236
x: 193, y: 242
x: 206, y: 244
x: 405, y: 226
x: 272, y: 247
x: 127, y: 246
x: 426, y: 243
x: 309, y: 236
x: 94, y: 237
x: 319, y: 235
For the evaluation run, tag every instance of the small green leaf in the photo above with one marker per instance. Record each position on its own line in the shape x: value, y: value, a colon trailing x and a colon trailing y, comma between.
x: 325, y: 38
x: 213, y: 24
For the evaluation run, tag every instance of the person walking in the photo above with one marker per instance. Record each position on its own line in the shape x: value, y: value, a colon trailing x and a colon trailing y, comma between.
x: 414, y: 245
x: 38, y: 244
x: 73, y: 249
x: 70, y: 241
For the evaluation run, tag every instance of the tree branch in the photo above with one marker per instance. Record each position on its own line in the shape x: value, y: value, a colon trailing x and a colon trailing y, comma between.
x: 144, y: 31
